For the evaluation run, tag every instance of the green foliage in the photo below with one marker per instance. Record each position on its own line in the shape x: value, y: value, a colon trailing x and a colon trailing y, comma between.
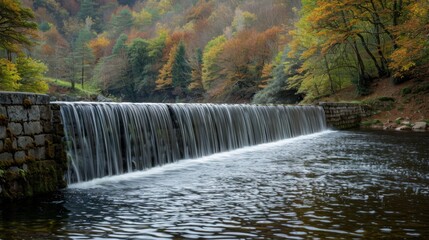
x: 181, y: 70
x: 405, y: 91
x: 44, y: 26
x: 120, y: 44
x: 32, y: 75
x: 121, y: 22
x: 371, y: 122
x: 87, y: 9
x: 16, y: 25
x: 278, y: 89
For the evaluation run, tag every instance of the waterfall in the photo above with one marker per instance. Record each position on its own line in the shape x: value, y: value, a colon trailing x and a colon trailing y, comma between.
x: 105, y: 139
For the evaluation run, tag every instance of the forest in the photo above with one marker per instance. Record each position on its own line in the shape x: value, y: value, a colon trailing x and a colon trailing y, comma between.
x: 233, y: 51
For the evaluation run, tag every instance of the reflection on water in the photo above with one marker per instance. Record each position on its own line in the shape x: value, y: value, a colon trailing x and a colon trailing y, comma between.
x: 335, y: 184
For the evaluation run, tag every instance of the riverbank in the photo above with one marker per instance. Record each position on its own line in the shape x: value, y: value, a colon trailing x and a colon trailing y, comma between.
x: 394, y: 106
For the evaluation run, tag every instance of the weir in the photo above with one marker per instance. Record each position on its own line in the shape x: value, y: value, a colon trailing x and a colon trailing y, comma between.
x: 105, y: 139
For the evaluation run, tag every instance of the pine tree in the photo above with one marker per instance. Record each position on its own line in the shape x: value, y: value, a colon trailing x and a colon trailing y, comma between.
x: 181, y: 70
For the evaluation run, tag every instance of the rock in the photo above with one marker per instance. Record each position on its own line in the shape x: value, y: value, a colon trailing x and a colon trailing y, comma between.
x: 17, y: 113
x: 2, y: 132
x: 390, y: 126
x: 403, y: 128
x: 39, y: 140
x: 6, y: 156
x: 34, y: 113
x: 406, y: 123
x: 32, y: 128
x: 25, y: 142
x: 15, y: 128
x: 420, y: 126
x: 20, y: 156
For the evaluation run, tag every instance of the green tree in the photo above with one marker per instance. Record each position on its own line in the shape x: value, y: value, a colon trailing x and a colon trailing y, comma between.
x: 83, y: 51
x: 138, y: 57
x: 16, y: 26
x: 181, y: 70
x: 121, y: 22
x: 87, y: 9
x: 279, y: 89
x: 120, y: 44
x: 32, y: 75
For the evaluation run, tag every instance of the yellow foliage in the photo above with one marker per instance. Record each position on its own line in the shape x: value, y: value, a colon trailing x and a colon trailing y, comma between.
x: 165, y: 77
x: 8, y: 76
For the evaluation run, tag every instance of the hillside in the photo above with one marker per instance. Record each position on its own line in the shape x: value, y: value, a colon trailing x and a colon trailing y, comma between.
x: 233, y: 51
x: 408, y: 100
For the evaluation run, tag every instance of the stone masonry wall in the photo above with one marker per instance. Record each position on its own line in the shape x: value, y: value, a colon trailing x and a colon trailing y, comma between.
x: 344, y: 115
x: 32, y: 157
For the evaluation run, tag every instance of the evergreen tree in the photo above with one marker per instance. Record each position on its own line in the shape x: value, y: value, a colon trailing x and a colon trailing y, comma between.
x: 181, y: 70
x: 120, y: 44
x: 15, y: 26
x: 278, y: 89
x: 86, y: 9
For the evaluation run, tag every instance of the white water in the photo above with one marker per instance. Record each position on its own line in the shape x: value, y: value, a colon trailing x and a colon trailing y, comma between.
x: 108, y: 139
x: 98, y: 183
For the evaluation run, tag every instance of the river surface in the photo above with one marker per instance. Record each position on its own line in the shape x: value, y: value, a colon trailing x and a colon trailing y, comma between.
x: 348, y: 185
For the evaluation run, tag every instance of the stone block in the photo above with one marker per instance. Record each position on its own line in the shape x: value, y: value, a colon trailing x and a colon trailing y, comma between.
x: 39, y: 140
x: 31, y: 153
x: 3, y: 111
x: 20, y: 156
x: 34, y: 113
x: 45, y: 113
x: 40, y: 153
x: 2, y: 132
x: 25, y: 142
x: 4, y: 98
x: 16, y: 97
x: 47, y: 126
x: 1, y: 145
x: 31, y: 128
x: 42, y: 99
x: 17, y: 113
x: 15, y: 128
x: 10, y: 145
x: 6, y: 156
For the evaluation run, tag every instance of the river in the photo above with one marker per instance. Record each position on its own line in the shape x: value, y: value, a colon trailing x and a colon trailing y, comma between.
x: 337, y: 184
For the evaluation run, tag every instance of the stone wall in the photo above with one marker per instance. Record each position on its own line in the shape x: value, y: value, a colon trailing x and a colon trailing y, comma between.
x: 344, y: 115
x: 32, y: 157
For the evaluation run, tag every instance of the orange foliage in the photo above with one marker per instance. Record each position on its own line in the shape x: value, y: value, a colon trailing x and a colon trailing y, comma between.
x: 99, y: 46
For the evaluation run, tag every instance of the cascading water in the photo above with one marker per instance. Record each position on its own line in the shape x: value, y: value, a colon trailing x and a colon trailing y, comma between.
x: 105, y: 139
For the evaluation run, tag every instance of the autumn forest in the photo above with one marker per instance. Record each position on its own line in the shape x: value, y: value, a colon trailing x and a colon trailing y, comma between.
x: 270, y: 51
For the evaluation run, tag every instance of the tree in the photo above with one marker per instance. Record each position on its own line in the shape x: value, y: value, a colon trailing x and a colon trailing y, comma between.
x: 121, y: 22
x: 32, y: 75
x: 53, y: 51
x: 210, y: 67
x: 165, y: 77
x: 16, y: 26
x: 9, y: 77
x: 412, y: 39
x: 278, y: 89
x: 196, y: 85
x: 82, y: 50
x: 120, y: 44
x: 86, y: 10
x: 99, y: 46
x: 181, y: 71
